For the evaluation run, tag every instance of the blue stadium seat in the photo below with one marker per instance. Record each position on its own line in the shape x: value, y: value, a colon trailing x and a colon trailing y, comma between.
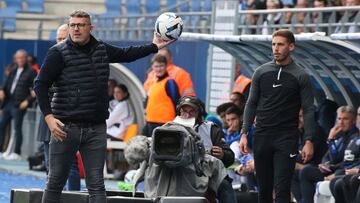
x: 15, y: 5
x: 195, y: 5
x: 9, y: 22
x: 133, y: 7
x: 105, y: 22
x: 113, y: 6
x: 184, y: 6
x: 35, y: 6
x: 53, y: 35
x: 152, y: 6
x: 171, y: 4
x: 207, y: 5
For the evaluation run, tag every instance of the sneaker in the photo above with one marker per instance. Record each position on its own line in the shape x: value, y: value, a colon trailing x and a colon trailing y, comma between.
x: 13, y: 156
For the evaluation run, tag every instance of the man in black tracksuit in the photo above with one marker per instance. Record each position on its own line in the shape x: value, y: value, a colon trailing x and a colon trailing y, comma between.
x: 278, y: 90
x: 78, y: 71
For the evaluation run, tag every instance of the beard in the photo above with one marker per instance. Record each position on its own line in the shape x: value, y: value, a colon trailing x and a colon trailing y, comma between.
x: 282, y: 57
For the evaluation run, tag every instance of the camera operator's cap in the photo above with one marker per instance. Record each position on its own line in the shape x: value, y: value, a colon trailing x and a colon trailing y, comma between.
x: 190, y: 102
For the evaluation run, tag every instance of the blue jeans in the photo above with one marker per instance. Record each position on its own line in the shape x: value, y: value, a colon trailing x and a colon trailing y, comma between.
x: 74, y: 180
x: 90, y: 140
x: 10, y: 111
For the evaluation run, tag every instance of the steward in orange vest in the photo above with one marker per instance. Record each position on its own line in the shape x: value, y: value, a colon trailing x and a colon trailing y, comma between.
x: 162, y: 97
x: 182, y: 78
x: 242, y: 85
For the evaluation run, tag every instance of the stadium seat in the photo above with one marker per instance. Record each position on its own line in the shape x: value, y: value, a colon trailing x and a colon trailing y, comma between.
x: 113, y: 7
x: 152, y: 6
x: 52, y: 35
x: 184, y: 6
x: 323, y: 193
x: 35, y: 6
x: 131, y: 131
x: 9, y: 19
x: 207, y: 5
x: 196, y: 5
x: 105, y: 24
x: 171, y: 5
x: 133, y: 7
x: 15, y: 5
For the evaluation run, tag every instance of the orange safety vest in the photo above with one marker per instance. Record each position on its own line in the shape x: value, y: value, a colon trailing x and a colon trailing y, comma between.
x: 181, y: 77
x: 240, y: 84
x: 159, y: 108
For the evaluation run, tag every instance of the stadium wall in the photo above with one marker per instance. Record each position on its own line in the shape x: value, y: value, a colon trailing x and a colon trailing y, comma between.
x: 191, y: 55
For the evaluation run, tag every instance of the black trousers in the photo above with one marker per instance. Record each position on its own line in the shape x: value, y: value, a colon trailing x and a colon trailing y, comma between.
x: 309, y: 176
x: 90, y: 140
x: 345, y: 188
x: 275, y: 156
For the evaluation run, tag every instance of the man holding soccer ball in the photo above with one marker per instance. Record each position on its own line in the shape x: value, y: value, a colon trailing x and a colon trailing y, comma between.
x: 78, y: 70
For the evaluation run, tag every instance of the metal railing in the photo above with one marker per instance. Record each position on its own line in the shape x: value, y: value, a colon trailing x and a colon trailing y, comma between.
x: 329, y: 20
x: 140, y: 27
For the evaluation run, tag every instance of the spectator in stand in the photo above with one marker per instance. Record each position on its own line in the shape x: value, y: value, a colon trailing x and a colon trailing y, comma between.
x: 33, y: 62
x: 300, y: 16
x: 350, y: 17
x: 271, y: 18
x: 333, y: 162
x: 122, y: 115
x: 318, y: 18
x: 162, y: 96
x: 73, y: 183
x: 254, y: 5
x: 320, y: 148
x: 16, y: 97
x: 238, y: 99
x: 181, y: 77
x: 242, y: 84
x: 344, y: 188
x: 220, y: 110
x: 233, y: 116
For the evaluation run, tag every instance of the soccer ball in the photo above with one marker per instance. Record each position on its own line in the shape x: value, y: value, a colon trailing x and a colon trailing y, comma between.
x: 168, y: 26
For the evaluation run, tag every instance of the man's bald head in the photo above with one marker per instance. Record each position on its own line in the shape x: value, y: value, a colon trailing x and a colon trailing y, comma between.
x: 62, y: 33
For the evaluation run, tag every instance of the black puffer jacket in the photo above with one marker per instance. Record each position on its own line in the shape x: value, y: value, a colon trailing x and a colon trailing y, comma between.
x: 80, y: 92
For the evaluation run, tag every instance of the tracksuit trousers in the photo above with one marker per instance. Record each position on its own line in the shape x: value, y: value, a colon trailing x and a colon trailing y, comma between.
x: 275, y: 156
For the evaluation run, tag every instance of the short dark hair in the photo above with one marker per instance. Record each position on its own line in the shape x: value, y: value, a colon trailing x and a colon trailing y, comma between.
x: 158, y: 58
x: 80, y: 14
x: 234, y: 110
x: 285, y: 33
x: 124, y: 89
x: 223, y: 107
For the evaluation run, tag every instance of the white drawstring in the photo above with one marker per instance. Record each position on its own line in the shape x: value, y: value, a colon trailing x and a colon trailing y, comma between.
x: 278, y: 77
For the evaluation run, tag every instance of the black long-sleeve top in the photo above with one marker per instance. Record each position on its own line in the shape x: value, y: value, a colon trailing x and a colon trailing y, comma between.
x: 277, y: 93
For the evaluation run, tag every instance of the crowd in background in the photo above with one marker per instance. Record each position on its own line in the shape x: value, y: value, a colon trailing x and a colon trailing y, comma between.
x: 299, y: 18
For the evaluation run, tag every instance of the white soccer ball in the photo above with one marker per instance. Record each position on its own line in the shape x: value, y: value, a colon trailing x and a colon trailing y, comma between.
x: 168, y: 26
